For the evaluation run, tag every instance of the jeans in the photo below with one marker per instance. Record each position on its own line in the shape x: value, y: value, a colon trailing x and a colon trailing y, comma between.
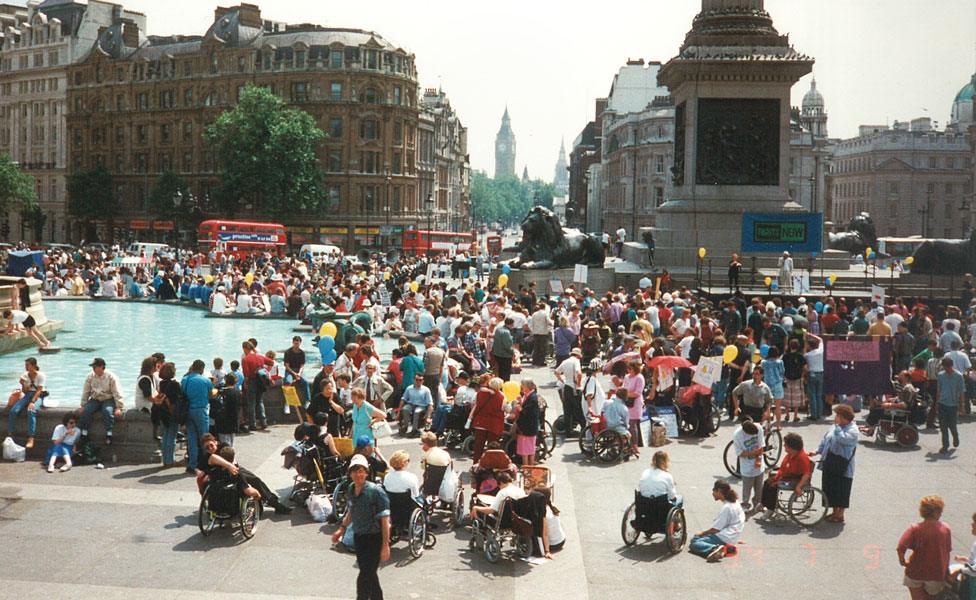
x: 31, y: 415
x: 300, y: 382
x: 226, y: 438
x: 368, y: 547
x: 948, y: 416
x: 254, y: 396
x: 197, y: 424
x: 704, y: 545
x: 440, y: 418
x: 816, y: 390
x: 169, y: 442
x: 91, y: 407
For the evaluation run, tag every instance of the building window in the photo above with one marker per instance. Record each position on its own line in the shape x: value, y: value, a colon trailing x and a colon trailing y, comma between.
x: 241, y: 64
x: 187, y: 68
x: 398, y: 133
x: 187, y: 132
x: 396, y: 201
x: 165, y: 161
x: 335, y: 195
x: 369, y: 130
x: 188, y: 97
x: 659, y: 164
x: 930, y: 188
x: 165, y: 133
x: 120, y: 135
x: 142, y: 163
x: 52, y: 57
x: 120, y: 102
x: 336, y: 91
x: 299, y: 59
x: 214, y: 64
x: 335, y: 127
x: 372, y: 59
x: 335, y: 161
x: 397, y: 163
x: 397, y: 95
x: 950, y: 189
x: 950, y: 162
x: 166, y: 99
x: 658, y: 196
x: 335, y: 59
x: 370, y: 162
x: 141, y: 134
x: 893, y: 188
x: 931, y: 162
x: 370, y: 96
x: 299, y: 91
x: 142, y: 101
x: 369, y: 198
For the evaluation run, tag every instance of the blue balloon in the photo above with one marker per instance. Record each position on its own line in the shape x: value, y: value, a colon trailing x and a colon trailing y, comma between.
x: 506, y: 269
x: 818, y: 306
x: 326, y: 343
x: 813, y: 254
x: 827, y: 282
x: 873, y: 255
x: 329, y: 357
x: 775, y: 286
x: 764, y: 350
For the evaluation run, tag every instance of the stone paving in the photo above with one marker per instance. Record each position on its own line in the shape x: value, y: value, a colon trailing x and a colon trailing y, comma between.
x: 132, y: 531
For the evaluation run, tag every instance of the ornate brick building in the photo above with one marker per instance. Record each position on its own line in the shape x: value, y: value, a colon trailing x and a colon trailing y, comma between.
x: 139, y: 106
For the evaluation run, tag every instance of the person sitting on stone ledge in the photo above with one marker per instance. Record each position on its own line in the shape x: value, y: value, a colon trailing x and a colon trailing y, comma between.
x: 29, y: 396
x: 101, y: 393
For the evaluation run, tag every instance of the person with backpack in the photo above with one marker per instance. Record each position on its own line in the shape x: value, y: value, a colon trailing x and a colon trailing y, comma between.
x: 224, y: 408
x: 195, y: 401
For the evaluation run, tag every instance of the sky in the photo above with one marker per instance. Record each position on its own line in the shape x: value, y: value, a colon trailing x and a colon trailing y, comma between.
x: 877, y: 61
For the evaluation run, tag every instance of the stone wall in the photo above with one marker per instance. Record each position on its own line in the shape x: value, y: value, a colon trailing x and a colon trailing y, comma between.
x: 599, y: 280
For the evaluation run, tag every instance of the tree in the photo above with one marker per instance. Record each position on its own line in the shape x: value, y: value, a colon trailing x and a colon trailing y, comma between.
x: 35, y: 219
x: 16, y: 188
x: 506, y: 200
x: 163, y: 194
x: 90, y: 199
x: 267, y: 156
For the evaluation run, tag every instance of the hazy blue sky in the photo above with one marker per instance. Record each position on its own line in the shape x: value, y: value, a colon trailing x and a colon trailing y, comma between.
x: 876, y: 60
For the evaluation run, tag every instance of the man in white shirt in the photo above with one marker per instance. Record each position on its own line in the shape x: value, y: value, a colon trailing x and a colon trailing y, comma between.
x: 219, y: 301
x: 593, y: 394
x: 570, y: 375
x: 540, y: 326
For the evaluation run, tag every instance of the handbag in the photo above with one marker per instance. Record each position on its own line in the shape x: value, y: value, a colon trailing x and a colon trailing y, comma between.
x: 381, y: 430
x: 835, y: 465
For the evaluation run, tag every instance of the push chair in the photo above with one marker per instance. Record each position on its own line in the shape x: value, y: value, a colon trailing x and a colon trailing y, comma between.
x: 431, y: 487
x: 223, y: 501
x: 409, y: 522
x: 657, y: 515
x: 492, y: 533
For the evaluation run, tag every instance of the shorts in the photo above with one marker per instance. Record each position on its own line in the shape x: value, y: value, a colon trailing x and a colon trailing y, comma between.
x: 932, y: 588
x: 29, y: 322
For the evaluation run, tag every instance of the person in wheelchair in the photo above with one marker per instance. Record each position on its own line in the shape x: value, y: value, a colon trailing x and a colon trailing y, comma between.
x: 485, y: 473
x: 882, y: 409
x: 617, y: 416
x: 656, y: 495
x: 506, y: 489
x: 399, y: 480
x: 436, y: 464
x: 794, y: 473
x: 375, y: 460
x: 215, y: 466
x: 416, y: 407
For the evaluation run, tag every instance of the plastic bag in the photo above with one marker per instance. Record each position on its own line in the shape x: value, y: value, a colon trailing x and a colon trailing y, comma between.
x: 12, y: 451
x: 382, y: 430
x: 320, y: 507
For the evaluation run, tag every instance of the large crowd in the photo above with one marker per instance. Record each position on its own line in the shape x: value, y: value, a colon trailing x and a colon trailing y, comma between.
x: 477, y: 335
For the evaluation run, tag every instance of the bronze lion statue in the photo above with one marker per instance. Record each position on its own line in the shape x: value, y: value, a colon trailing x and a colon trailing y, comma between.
x: 860, y: 236
x: 548, y: 245
x: 946, y: 257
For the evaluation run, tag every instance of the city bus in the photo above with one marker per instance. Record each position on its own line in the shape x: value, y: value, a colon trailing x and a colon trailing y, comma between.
x: 494, y: 244
x: 419, y: 242
x: 241, y: 238
x: 900, y: 247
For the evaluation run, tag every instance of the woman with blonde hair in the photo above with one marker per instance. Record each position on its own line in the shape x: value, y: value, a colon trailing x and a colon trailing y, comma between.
x: 400, y: 480
x: 656, y: 480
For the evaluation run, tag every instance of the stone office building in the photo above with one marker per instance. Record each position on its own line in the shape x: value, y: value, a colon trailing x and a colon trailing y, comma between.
x: 139, y: 106
x: 39, y: 42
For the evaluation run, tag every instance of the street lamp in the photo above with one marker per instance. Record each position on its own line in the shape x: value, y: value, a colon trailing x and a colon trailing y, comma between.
x: 177, y: 202
x: 924, y: 211
x: 386, y: 208
x: 430, y: 228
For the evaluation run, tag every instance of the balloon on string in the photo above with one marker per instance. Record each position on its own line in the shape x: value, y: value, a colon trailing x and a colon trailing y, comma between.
x: 329, y: 357
x: 387, y: 275
x: 328, y: 330
x: 729, y: 354
x: 326, y: 343
x: 833, y: 279
x: 768, y: 281
x: 502, y: 280
x: 827, y: 282
x: 909, y: 260
x: 774, y: 285
x: 818, y: 307
x: 249, y: 278
x: 701, y: 253
x: 764, y: 350
x: 414, y: 286
x: 506, y: 269
x: 511, y: 390
x: 813, y: 254
x: 208, y: 279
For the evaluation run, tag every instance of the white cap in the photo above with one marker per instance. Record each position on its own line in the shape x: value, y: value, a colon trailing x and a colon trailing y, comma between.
x: 358, y: 460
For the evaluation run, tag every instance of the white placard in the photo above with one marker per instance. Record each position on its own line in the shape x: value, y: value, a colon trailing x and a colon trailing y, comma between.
x: 878, y: 295
x: 556, y: 287
x: 384, y: 296
x: 709, y: 371
x: 580, y: 274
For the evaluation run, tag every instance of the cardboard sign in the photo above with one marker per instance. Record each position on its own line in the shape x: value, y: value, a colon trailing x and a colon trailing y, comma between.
x: 291, y: 395
x: 667, y: 417
x: 556, y: 287
x: 709, y: 371
x: 853, y: 351
x: 580, y: 273
x: 384, y: 296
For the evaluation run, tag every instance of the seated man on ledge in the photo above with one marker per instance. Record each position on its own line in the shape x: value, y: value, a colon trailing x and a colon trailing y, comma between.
x: 101, y: 393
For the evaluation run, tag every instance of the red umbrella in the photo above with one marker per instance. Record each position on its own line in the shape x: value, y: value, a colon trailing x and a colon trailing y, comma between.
x: 624, y: 358
x: 669, y: 362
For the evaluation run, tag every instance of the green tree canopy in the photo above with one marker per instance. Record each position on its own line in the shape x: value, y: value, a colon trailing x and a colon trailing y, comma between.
x: 16, y: 188
x: 267, y: 156
x: 163, y: 194
x: 506, y: 200
x: 90, y: 198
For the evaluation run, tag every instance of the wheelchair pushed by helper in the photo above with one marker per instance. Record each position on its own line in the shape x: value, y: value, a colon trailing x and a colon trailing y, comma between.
x: 443, y: 491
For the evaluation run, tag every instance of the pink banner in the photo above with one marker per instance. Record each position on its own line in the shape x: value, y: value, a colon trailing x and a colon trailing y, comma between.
x: 839, y: 351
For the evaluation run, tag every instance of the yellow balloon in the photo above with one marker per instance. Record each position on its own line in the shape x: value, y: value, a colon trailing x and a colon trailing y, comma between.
x: 729, y: 354
x: 511, y: 390
x: 768, y: 281
x: 502, y: 280
x: 701, y: 253
x: 757, y: 357
x: 208, y: 279
x: 362, y: 274
x: 387, y: 275
x: 909, y: 260
x: 414, y: 286
x: 833, y: 279
x: 868, y: 251
x: 328, y: 330
x: 249, y: 278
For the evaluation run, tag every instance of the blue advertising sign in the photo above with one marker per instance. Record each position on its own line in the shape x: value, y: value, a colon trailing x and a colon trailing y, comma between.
x: 779, y: 232
x: 227, y: 236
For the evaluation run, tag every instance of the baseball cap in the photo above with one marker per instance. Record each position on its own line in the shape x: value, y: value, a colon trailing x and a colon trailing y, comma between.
x: 358, y: 460
x: 363, y: 441
x: 98, y: 362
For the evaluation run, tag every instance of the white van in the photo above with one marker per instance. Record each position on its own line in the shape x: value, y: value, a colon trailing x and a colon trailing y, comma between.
x: 146, y: 249
x: 320, y: 252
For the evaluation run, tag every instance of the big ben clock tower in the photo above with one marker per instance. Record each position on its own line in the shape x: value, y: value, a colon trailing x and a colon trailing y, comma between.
x: 505, y: 149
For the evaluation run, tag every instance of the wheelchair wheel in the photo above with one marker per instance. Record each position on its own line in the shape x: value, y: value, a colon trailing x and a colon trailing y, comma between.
x: 250, y: 514
x: 714, y: 419
x: 402, y: 426
x: 547, y: 438
x: 731, y: 460
x: 417, y: 533
x: 559, y: 425
x: 493, y: 548
x: 467, y: 446
x: 608, y: 446
x: 457, y: 510
x: 627, y: 530
x: 341, y: 504
x: 677, y: 530
x: 207, y: 519
x: 523, y: 546
x: 809, y: 508
x: 907, y: 436
x: 688, y: 417
x: 774, y: 448
x: 586, y: 441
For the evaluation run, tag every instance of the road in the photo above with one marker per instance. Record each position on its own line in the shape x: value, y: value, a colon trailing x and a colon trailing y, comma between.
x: 133, y: 530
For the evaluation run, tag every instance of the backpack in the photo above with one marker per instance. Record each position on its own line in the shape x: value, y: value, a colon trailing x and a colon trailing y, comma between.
x: 218, y: 407
x: 182, y: 409
x: 86, y: 453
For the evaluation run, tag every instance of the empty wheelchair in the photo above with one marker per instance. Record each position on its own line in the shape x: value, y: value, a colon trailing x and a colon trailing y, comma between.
x: 434, y: 484
x: 314, y: 472
x: 223, y: 502
x: 408, y: 522
x: 806, y: 509
x: 652, y: 516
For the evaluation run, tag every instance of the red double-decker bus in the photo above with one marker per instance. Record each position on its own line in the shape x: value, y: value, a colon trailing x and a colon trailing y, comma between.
x: 420, y: 242
x: 241, y: 238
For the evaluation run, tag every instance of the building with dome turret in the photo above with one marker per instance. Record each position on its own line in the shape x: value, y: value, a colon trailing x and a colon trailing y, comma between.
x: 813, y: 113
x: 961, y: 117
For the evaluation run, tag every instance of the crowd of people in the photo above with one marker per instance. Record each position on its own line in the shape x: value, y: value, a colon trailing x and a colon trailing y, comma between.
x: 476, y: 336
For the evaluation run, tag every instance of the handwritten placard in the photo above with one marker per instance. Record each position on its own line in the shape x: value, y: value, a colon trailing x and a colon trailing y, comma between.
x: 842, y: 351
x: 709, y: 371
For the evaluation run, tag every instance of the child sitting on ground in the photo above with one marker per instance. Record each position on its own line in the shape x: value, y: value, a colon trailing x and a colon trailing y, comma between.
x: 62, y: 442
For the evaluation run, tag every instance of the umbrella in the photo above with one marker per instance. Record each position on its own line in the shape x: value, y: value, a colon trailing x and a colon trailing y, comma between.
x: 621, y: 359
x: 696, y: 388
x: 669, y: 362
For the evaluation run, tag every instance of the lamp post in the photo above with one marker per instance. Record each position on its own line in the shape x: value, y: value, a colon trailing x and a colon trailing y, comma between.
x: 387, y: 208
x: 430, y: 217
x: 177, y: 202
x: 924, y: 211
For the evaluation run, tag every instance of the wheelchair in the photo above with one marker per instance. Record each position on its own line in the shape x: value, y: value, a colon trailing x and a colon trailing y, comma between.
x: 409, y: 522
x: 222, y: 502
x: 652, y: 516
x: 455, y: 436
x: 896, y: 423
x: 610, y: 446
x: 431, y: 487
x: 492, y: 533
x: 773, y: 450
x: 314, y: 472
x: 806, y: 509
